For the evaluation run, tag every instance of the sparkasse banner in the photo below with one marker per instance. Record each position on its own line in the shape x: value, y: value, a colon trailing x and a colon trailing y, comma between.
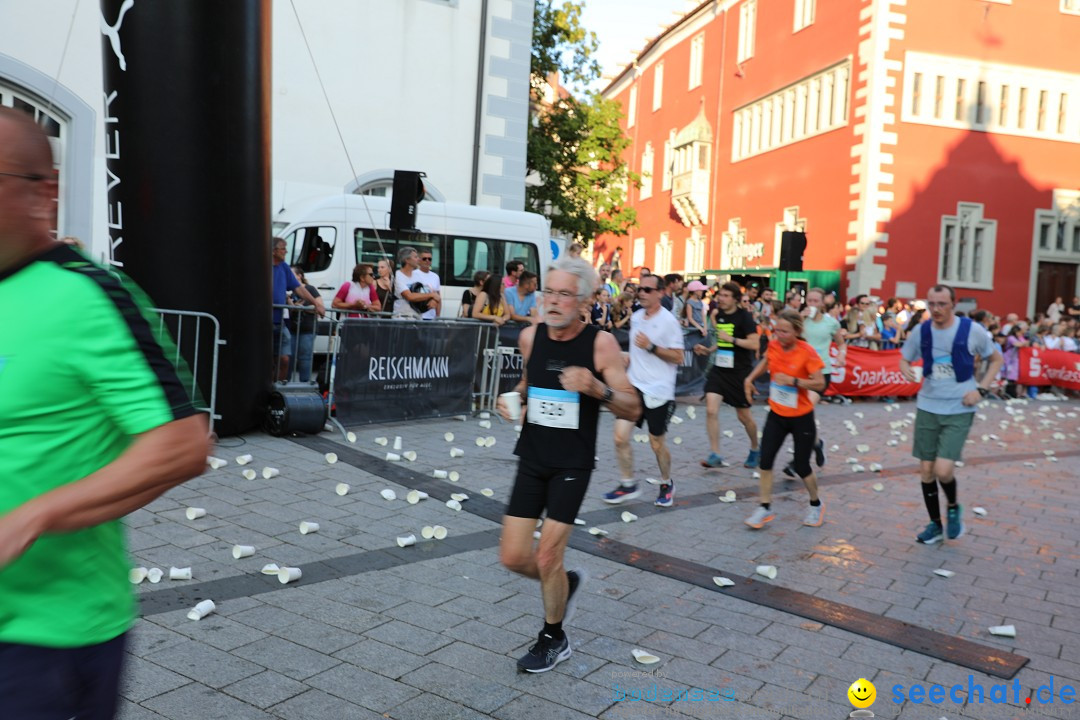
x: 870, y: 372
x: 1049, y: 367
x: 403, y: 370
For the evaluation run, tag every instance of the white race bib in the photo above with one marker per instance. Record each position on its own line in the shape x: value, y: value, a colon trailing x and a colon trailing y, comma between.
x: 553, y: 408
x: 725, y: 358
x: 784, y: 395
x: 943, y: 369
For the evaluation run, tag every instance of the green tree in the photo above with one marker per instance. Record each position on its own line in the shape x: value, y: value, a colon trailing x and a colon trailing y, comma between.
x: 575, y: 146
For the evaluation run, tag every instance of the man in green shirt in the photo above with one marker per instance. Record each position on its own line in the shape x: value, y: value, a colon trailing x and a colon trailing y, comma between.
x: 94, y: 423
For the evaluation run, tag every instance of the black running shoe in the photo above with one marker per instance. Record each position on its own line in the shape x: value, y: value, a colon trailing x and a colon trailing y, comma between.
x: 545, y: 654
x: 789, y: 470
x: 575, y: 579
x: 819, y: 453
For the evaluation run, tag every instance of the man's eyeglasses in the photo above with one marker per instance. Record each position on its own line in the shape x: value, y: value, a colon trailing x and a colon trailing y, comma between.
x: 944, y: 304
x: 559, y: 294
x: 646, y: 289
x: 31, y: 178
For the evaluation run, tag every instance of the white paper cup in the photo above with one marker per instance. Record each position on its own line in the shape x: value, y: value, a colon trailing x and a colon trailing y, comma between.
x: 448, y: 437
x: 453, y: 504
x: 393, y: 457
x: 269, y: 472
x: 440, y: 474
x: 382, y: 441
x: 488, y: 492
x: 308, y: 527
x: 409, y: 455
x: 415, y: 496
x: 512, y: 400
x: 489, y: 441
x: 137, y: 575
x: 176, y: 573
x: 454, y: 476
x: 350, y: 436
x: 406, y: 540
x: 485, y: 424
x: 427, y: 532
x: 812, y: 312
x: 768, y: 571
x: 288, y: 575
x: 457, y: 452
x: 270, y: 569
x: 194, y: 513
x: 242, y: 551
x: 331, y: 458
x: 249, y: 474
x: 485, y: 415
x: 243, y: 459
x: 397, y: 442
x: 439, y: 532
x: 917, y: 369
x: 460, y: 497
x: 201, y: 610
x: 342, y: 489
x: 216, y: 463
x: 154, y: 575
x: 388, y: 494
x: 479, y: 442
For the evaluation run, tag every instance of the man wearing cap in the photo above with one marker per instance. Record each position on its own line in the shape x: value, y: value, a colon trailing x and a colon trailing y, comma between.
x: 946, y: 402
x: 94, y: 424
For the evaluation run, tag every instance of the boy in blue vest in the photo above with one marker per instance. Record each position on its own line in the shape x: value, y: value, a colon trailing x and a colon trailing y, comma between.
x: 946, y: 404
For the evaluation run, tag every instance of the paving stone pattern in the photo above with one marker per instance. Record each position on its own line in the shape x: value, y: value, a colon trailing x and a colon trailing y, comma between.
x: 433, y: 631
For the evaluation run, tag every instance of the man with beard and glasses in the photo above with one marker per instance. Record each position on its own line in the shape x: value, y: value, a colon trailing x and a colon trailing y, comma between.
x: 571, y: 369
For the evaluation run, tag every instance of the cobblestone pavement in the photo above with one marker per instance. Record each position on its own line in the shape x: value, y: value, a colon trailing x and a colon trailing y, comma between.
x: 372, y: 630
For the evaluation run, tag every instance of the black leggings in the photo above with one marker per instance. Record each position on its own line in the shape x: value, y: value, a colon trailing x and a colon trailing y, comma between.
x: 802, y: 430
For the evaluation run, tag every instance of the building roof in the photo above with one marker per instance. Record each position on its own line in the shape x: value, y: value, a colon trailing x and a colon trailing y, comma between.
x: 698, y: 130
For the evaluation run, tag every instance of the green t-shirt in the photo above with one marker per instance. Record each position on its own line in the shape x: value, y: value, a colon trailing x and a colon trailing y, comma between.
x: 820, y: 334
x: 80, y: 375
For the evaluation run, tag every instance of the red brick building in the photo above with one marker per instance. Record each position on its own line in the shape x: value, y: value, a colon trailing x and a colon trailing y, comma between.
x: 914, y: 141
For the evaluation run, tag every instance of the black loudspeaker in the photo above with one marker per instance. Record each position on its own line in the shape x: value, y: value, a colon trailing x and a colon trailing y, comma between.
x: 408, y: 192
x: 792, y: 246
x: 296, y: 410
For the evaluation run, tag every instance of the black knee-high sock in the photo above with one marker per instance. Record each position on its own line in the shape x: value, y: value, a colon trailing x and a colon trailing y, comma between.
x: 930, y: 497
x: 950, y: 490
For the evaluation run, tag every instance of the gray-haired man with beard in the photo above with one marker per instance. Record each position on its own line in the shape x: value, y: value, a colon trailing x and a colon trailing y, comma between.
x: 571, y: 368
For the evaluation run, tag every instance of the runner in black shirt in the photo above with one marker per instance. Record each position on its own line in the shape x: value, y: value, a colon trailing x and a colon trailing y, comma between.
x: 570, y: 370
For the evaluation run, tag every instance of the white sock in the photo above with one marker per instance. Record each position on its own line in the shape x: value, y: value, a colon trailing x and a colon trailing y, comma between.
x: 628, y: 483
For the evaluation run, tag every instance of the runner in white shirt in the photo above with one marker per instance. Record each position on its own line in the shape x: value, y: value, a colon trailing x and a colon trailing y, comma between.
x: 656, y: 351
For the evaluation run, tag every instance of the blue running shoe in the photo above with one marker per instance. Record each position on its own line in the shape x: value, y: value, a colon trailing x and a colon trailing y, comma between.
x: 714, y: 461
x: 753, y: 459
x: 932, y: 534
x: 621, y: 494
x: 954, y: 524
x: 666, y: 498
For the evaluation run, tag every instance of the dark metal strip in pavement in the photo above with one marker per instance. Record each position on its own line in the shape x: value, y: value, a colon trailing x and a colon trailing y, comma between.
x: 955, y: 650
x: 232, y: 588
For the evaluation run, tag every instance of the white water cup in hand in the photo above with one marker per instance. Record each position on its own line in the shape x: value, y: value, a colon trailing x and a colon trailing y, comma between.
x: 201, y: 610
x: 243, y: 459
x: 242, y: 551
x: 812, y: 312
x: 308, y: 527
x: 917, y: 370
x: 289, y: 574
x: 194, y: 513
x: 176, y: 573
x: 406, y: 540
x: 269, y: 472
x: 512, y: 400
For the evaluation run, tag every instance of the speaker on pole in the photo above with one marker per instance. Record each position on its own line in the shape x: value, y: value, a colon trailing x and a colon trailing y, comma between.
x: 408, y: 192
x: 792, y: 246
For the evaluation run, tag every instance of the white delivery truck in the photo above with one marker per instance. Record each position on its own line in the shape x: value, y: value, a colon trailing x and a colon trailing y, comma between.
x: 328, y: 236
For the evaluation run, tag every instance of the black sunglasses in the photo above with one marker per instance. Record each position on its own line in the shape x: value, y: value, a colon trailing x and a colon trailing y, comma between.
x: 425, y: 259
x: 647, y: 289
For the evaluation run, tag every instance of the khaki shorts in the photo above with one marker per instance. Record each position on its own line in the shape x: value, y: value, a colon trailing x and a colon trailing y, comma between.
x: 940, y: 436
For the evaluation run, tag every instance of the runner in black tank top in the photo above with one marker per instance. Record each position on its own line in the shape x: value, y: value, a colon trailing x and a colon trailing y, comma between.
x: 570, y: 370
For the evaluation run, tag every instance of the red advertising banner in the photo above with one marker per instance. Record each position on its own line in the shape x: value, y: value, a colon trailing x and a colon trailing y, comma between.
x: 1049, y: 367
x: 870, y: 373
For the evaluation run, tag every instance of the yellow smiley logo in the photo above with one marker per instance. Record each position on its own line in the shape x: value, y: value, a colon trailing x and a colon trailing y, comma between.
x: 862, y: 693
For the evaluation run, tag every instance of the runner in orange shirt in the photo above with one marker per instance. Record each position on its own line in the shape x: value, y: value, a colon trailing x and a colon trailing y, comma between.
x: 795, y: 369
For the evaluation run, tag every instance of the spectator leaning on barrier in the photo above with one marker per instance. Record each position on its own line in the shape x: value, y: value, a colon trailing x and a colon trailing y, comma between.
x: 489, y: 304
x: 302, y: 327
x: 514, y: 268
x: 96, y: 423
x: 284, y: 281
x: 469, y: 296
x: 358, y: 294
x: 521, y: 300
x: 431, y: 280
x: 384, y: 284
x: 414, y: 296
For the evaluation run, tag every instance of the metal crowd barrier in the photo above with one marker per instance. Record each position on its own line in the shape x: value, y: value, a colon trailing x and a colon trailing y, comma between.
x: 196, y: 335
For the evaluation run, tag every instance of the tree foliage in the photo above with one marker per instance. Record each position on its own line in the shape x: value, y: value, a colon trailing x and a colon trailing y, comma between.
x: 575, y: 145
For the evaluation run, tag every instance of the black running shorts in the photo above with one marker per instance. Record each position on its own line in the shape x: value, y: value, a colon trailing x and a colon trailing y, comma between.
x: 559, y: 490
x: 729, y: 384
x: 657, y: 418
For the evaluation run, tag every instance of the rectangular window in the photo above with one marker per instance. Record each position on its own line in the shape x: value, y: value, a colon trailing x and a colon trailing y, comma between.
x: 631, y: 112
x: 960, y: 104
x: 1076, y: 238
x: 697, y: 60
x: 1021, y: 108
x: 946, y: 250
x: 662, y: 264
x: 939, y: 95
x: 1072, y: 7
x: 1063, y: 102
x: 1040, y: 118
x: 826, y: 102
x: 804, y: 14
x: 967, y: 247
x: 747, y: 25
x: 1044, y: 235
x: 665, y: 181
x: 646, y: 172
x: 813, y: 105
x: 977, y: 253
x: 916, y: 92
x: 638, y: 258
x: 703, y: 157
x: 1059, y: 238
x: 1003, y: 106
x: 800, y: 111
x: 981, y: 110
x: 658, y: 86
